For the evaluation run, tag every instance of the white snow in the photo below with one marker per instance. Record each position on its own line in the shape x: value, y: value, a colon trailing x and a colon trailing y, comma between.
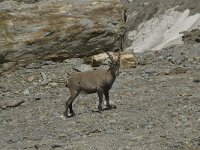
x: 162, y: 31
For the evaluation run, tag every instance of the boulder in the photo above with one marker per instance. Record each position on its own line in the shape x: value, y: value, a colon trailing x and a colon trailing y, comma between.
x: 83, y: 68
x: 100, y: 59
x: 128, y: 60
x: 33, y: 31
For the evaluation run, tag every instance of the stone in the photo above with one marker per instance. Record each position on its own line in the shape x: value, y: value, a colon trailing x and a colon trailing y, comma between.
x: 31, y: 78
x: 26, y: 92
x: 74, y: 62
x: 197, y: 40
x: 54, y: 84
x: 178, y: 70
x: 128, y: 60
x: 56, y: 30
x: 100, y: 59
x: 16, y: 92
x: 28, y: 71
x: 48, y: 63
x: 84, y: 67
x: 34, y: 66
x: 45, y: 81
x: 12, y: 103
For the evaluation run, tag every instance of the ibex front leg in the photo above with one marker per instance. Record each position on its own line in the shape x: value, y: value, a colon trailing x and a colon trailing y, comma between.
x: 100, y: 95
x: 108, y: 106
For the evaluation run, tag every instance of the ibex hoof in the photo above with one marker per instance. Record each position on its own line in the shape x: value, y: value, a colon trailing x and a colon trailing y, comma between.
x: 111, y: 107
x: 114, y: 106
x: 100, y: 108
x: 67, y: 115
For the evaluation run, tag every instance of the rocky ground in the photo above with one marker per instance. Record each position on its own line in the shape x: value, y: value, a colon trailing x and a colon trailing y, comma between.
x: 158, y: 106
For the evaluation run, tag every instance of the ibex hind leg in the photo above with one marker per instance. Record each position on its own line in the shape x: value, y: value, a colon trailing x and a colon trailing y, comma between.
x: 73, y: 95
x: 71, y: 111
x: 108, y: 105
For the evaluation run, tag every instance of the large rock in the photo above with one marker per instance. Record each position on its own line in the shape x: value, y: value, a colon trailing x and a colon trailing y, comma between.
x: 33, y: 30
x: 128, y: 60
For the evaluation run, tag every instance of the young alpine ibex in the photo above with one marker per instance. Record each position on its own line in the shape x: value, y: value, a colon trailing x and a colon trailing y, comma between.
x: 96, y: 81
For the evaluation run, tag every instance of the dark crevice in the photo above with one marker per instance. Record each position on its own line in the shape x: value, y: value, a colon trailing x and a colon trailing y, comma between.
x: 3, y: 59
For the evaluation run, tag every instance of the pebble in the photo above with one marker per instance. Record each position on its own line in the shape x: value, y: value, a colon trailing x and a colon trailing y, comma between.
x: 109, y: 131
x: 129, y: 93
x: 31, y: 78
x: 62, y: 117
x: 16, y: 92
x: 28, y: 71
x: 178, y: 70
x: 48, y: 63
x: 142, y: 63
x: 54, y: 84
x: 26, y: 92
x: 34, y: 66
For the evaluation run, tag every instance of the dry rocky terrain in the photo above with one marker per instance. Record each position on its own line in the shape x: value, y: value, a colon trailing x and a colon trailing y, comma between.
x: 158, y: 106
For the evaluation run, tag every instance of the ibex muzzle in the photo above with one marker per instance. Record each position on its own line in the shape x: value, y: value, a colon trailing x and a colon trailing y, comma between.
x: 96, y: 81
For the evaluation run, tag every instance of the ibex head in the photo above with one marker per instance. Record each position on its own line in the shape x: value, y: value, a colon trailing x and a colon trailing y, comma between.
x: 115, y: 64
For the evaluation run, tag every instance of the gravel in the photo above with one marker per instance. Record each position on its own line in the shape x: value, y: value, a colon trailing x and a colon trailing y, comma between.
x: 157, y: 108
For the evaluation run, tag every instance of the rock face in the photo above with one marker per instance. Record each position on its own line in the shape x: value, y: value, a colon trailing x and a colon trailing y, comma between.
x: 54, y: 30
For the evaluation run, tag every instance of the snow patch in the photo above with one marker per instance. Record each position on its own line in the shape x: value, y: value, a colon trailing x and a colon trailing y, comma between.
x: 162, y: 31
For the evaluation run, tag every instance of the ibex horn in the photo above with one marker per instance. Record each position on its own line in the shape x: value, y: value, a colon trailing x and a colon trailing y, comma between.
x: 110, y: 56
x: 119, y: 55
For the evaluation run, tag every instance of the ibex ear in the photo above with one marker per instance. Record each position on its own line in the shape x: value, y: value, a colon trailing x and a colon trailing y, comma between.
x: 110, y: 56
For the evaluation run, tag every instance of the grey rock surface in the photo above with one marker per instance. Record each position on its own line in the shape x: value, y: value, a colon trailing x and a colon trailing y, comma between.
x: 33, y: 31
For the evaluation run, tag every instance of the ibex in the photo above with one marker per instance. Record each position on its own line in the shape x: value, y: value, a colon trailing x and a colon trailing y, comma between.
x: 96, y: 81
